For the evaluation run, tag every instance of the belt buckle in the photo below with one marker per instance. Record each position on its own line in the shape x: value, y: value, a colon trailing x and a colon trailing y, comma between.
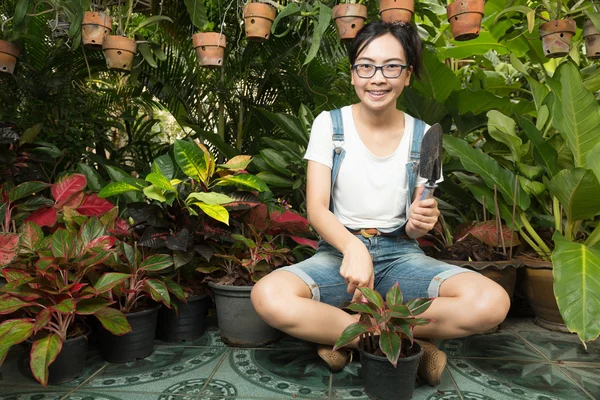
x: 367, y: 235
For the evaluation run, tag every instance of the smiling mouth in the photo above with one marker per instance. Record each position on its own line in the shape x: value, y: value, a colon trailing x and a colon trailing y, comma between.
x: 378, y: 93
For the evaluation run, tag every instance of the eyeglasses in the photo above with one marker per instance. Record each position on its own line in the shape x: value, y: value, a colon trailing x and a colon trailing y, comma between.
x: 388, y: 70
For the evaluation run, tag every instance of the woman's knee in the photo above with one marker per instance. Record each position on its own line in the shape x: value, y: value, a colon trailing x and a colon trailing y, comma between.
x: 489, y: 307
x: 273, y: 296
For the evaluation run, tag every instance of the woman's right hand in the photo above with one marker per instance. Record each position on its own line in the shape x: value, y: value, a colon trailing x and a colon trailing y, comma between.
x: 357, y: 268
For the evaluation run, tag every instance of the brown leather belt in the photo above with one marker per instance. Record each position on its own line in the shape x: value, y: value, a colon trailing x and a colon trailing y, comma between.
x: 370, y: 232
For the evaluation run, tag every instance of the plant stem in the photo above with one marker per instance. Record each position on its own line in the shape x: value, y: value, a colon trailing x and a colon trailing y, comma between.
x: 499, y: 221
x: 531, y: 243
x: 514, y: 210
x: 542, y: 246
x: 129, y: 12
x: 557, y: 214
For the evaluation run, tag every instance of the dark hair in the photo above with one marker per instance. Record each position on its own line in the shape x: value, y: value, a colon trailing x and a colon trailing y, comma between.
x: 405, y: 33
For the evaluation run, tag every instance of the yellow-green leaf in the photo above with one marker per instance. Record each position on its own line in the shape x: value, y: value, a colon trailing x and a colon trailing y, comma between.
x: 215, y: 211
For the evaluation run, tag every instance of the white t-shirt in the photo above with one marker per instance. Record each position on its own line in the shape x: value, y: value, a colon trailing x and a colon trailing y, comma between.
x: 370, y: 191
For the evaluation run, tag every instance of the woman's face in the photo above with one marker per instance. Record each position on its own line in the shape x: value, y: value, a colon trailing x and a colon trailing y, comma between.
x: 378, y: 92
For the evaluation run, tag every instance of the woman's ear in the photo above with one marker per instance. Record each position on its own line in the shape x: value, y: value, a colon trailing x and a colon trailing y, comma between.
x: 409, y: 71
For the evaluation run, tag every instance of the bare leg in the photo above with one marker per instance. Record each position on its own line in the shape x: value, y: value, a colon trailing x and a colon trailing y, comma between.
x: 469, y: 303
x: 285, y: 302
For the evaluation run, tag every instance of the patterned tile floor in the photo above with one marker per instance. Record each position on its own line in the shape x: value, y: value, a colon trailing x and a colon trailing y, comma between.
x: 520, y: 361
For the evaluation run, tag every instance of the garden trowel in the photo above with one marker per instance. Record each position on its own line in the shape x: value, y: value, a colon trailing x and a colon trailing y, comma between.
x: 430, y: 164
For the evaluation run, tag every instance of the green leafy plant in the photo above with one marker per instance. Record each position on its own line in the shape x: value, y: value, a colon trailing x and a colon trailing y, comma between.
x: 385, y: 327
x: 48, y: 286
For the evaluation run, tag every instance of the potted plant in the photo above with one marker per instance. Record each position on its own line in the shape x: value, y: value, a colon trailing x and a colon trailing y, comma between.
x: 591, y: 36
x: 9, y: 54
x: 396, y: 10
x: 120, y: 49
x: 96, y: 25
x: 559, y: 27
x: 262, y: 246
x: 48, y: 286
x: 258, y: 19
x: 388, y: 353
x: 210, y: 46
x: 465, y: 18
x: 350, y: 18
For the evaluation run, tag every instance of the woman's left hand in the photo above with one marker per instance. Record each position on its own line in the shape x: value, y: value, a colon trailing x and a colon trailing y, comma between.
x: 423, y: 215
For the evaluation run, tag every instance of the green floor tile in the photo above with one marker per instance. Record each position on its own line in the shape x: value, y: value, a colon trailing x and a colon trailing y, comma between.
x: 39, y: 394
x: 506, y: 345
x: 563, y: 346
x: 588, y: 378
x: 168, y: 370
x: 272, y: 374
x: 495, y: 379
x: 210, y: 338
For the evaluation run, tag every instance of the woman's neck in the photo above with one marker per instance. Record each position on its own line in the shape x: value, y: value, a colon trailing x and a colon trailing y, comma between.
x: 380, y: 120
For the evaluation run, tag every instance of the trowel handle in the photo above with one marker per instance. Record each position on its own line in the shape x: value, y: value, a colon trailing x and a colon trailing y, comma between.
x: 428, y: 191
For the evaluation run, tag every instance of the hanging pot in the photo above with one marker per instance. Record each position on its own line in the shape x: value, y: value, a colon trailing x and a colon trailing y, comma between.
x: 258, y: 18
x: 383, y: 381
x: 9, y: 53
x: 137, y: 344
x: 239, y: 324
x: 210, y: 48
x: 557, y: 36
x: 349, y: 18
x: 592, y: 40
x: 119, y: 52
x: 186, y: 324
x: 396, y: 10
x: 465, y: 18
x: 94, y: 27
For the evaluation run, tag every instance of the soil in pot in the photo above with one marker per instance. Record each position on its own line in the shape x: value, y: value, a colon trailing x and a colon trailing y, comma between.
x: 95, y: 26
x: 383, y: 381
x: 70, y: 362
x: 592, y: 40
x: 119, y: 52
x: 137, y: 344
x: 258, y: 18
x: 9, y: 53
x: 210, y: 48
x: 557, y: 37
x: 396, y: 10
x: 465, y: 18
x: 239, y: 324
x: 349, y: 18
x: 188, y: 323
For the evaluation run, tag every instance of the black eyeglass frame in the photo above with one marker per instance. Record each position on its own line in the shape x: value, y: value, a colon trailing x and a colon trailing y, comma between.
x: 380, y: 67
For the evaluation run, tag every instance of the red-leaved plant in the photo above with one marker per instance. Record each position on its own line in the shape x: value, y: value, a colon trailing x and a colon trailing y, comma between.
x: 48, y: 288
x: 384, y: 326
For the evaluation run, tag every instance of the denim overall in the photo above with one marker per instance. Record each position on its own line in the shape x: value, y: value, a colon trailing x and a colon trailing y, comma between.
x: 412, y: 167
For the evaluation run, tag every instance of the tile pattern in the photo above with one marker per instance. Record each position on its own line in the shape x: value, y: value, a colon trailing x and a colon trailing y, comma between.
x: 520, y: 361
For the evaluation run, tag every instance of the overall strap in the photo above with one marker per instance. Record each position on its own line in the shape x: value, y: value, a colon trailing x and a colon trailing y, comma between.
x: 338, y: 153
x: 412, y: 168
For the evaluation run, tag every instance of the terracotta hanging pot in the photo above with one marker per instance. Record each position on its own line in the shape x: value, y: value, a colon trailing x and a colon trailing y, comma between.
x: 9, y: 53
x: 396, y: 10
x: 258, y: 18
x: 465, y: 18
x: 557, y: 36
x: 210, y: 48
x: 119, y: 52
x: 350, y: 18
x: 592, y: 40
x: 94, y: 27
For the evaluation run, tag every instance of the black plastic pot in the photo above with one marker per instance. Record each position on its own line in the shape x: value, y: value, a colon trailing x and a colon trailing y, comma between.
x: 383, y: 381
x: 186, y: 324
x: 137, y: 344
x: 70, y: 362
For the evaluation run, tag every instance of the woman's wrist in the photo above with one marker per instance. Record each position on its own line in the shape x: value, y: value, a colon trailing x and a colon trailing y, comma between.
x: 414, y: 233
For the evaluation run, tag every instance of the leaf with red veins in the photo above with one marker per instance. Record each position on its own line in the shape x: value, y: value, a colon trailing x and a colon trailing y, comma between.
x: 94, y: 205
x: 73, y: 202
x: 9, y: 244
x: 45, y: 216
x: 66, y: 187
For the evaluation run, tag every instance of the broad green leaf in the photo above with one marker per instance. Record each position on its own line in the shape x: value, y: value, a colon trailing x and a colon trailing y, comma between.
x: 394, y: 296
x: 13, y: 331
x: 543, y: 153
x: 210, y: 198
x: 191, y: 159
x: 94, y: 180
x: 42, y: 318
x: 531, y: 172
x: 236, y: 163
x: 288, y: 124
x: 318, y: 32
x: 275, y: 180
x: 467, y: 101
x: 176, y: 289
x: 156, y: 262
x: 360, y: 308
x: 488, y: 169
x: 149, y: 22
x: 480, y: 46
x: 26, y: 189
x: 578, y: 191
x: 160, y: 181
x: 576, y: 112
x: 154, y: 193
x: 20, y: 11
x: 164, y: 165
x: 518, y: 8
x: 30, y: 237
x: 117, y: 175
x: 351, y: 333
x: 66, y: 306
x: 109, y: 280
x: 43, y: 353
x: 113, y: 321
x: 11, y: 304
x: 91, y: 230
x: 276, y: 161
x: 243, y: 181
x: 158, y: 291
x: 390, y: 343
x: 372, y: 296
x: 399, y: 311
x: 62, y: 243
x: 419, y: 305
x: 114, y: 188
x: 197, y: 13
x: 593, y: 160
x: 215, y: 211
x: 437, y: 80
x: 146, y: 52
x: 289, y: 9
x: 595, y: 17
x: 539, y: 90
x: 532, y: 188
x: 91, y: 306
x: 576, y: 269
x: 502, y: 129
x: 401, y: 325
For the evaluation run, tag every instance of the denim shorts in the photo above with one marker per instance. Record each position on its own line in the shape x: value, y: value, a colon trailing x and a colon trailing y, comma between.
x: 395, y: 259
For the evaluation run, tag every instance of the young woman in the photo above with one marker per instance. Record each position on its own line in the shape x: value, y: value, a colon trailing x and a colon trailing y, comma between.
x: 369, y: 221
